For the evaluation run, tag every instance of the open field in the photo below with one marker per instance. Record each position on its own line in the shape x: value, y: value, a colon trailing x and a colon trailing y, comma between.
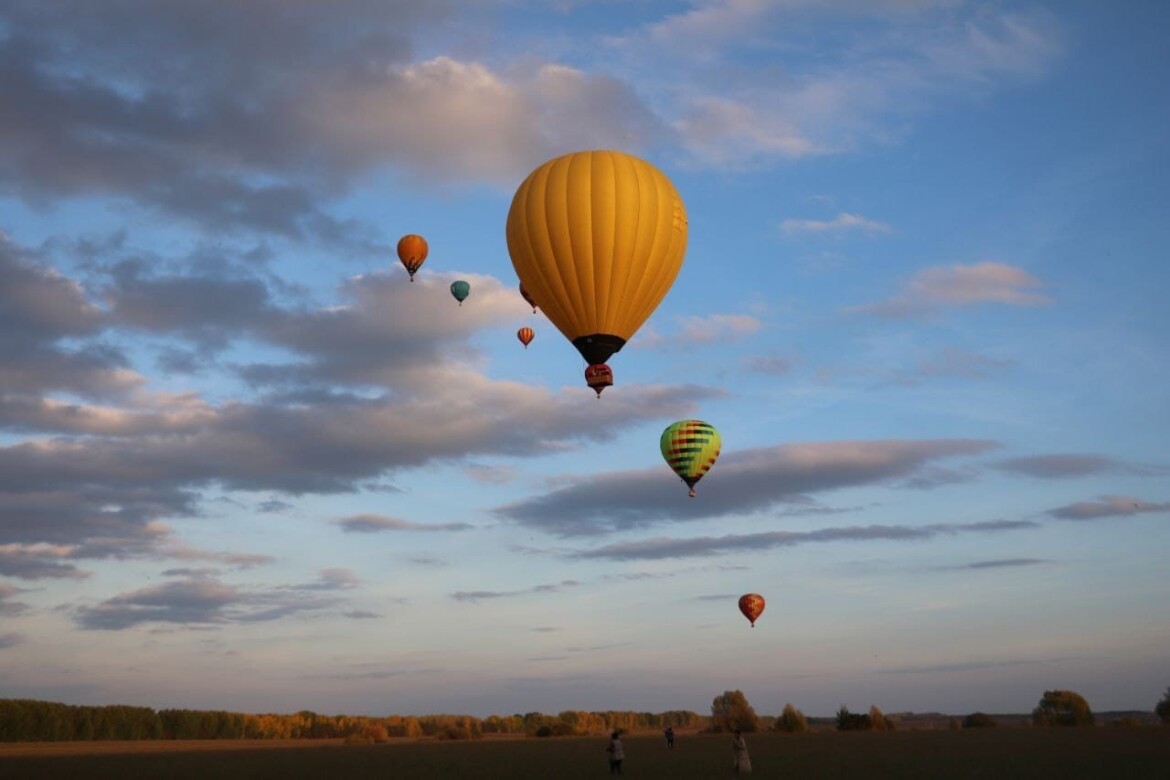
x: 1103, y: 752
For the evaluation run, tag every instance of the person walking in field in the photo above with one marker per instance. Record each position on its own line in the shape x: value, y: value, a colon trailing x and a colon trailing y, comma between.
x: 743, y: 764
x: 668, y: 732
x: 616, y: 753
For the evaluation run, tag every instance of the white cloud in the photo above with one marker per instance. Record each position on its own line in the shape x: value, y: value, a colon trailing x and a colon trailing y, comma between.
x: 843, y: 222
x: 961, y: 285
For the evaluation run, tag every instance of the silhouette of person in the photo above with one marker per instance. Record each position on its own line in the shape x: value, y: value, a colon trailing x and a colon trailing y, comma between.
x: 743, y: 764
x: 616, y: 753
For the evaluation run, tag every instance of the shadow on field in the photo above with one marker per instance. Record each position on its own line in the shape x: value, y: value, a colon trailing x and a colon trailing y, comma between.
x: 1036, y: 754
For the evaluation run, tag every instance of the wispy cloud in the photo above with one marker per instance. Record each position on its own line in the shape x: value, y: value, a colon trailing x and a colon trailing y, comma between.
x: 844, y: 222
x: 1109, y: 506
x: 372, y: 523
x: 486, y: 595
x: 671, y: 547
x: 769, y: 364
x: 747, y: 480
x: 1003, y: 563
x: 9, y: 607
x: 11, y: 639
x: 201, y: 601
x: 1061, y: 466
x: 702, y: 330
x: 956, y: 286
x: 960, y: 363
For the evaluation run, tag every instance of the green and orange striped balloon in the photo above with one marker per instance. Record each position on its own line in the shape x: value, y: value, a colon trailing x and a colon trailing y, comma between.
x: 690, y: 447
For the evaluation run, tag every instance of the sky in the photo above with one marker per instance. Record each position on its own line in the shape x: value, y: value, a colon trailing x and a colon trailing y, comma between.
x: 246, y: 465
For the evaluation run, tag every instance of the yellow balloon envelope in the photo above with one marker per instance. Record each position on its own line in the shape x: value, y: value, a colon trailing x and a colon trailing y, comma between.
x: 598, y: 238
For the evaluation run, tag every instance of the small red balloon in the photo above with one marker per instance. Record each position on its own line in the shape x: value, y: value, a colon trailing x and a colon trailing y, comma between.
x: 752, y: 606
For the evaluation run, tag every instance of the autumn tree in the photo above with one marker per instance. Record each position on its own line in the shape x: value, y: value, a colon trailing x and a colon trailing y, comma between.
x: 792, y: 721
x: 878, y: 720
x: 731, y: 711
x: 1062, y: 708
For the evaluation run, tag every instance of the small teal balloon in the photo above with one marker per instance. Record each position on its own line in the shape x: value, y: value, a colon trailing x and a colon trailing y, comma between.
x: 460, y: 290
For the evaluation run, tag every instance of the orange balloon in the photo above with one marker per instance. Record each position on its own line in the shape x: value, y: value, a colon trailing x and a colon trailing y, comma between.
x: 412, y: 251
x: 526, y: 335
x: 752, y: 606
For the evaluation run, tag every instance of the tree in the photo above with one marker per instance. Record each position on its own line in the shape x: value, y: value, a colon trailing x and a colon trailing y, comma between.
x: 792, y: 720
x: 852, y: 721
x: 1162, y: 710
x: 1062, y: 708
x: 878, y: 720
x: 731, y: 711
x: 979, y: 720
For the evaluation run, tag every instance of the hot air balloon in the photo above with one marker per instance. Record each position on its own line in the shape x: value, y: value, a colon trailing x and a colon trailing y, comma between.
x: 598, y: 376
x: 690, y: 447
x: 526, y: 335
x: 597, y: 237
x: 460, y: 290
x: 752, y: 606
x: 412, y: 251
x: 528, y: 298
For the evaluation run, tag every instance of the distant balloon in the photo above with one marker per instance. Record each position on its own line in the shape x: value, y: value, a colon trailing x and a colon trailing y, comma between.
x: 597, y: 237
x: 412, y: 251
x: 598, y: 376
x: 690, y: 447
x: 526, y: 335
x: 752, y: 606
x: 460, y: 290
x: 528, y: 298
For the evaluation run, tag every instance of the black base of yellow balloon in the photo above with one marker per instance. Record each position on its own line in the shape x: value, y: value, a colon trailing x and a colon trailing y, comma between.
x: 597, y: 347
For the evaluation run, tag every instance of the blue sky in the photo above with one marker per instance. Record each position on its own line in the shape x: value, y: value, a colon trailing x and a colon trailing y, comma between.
x: 245, y: 465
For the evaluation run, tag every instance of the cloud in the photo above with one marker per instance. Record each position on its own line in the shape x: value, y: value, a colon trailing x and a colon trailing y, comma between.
x: 694, y: 330
x: 372, y: 523
x: 11, y: 639
x: 1006, y: 563
x: 487, y: 595
x: 363, y: 393
x: 769, y: 364
x: 1003, y: 563
x: 859, y: 87
x: 672, y: 547
x: 333, y: 579
x: 960, y: 363
x: 206, y: 601
x: 260, y: 136
x: 491, y: 475
x: 955, y: 286
x: 362, y: 614
x: 842, y: 223
x: 1108, y: 506
x: 194, y: 601
x: 8, y: 607
x: 1061, y: 466
x: 749, y: 480
x: 38, y: 562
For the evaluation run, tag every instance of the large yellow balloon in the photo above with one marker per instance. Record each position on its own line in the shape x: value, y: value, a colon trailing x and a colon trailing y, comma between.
x: 597, y: 238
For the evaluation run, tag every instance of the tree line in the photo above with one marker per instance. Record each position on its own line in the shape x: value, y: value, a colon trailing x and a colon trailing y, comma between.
x: 27, y: 720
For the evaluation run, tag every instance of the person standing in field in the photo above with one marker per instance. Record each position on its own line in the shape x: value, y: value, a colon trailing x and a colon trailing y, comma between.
x: 616, y: 753
x: 668, y: 732
x: 743, y: 764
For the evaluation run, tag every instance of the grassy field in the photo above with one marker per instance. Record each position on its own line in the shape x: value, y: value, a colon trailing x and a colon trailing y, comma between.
x: 1103, y: 752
